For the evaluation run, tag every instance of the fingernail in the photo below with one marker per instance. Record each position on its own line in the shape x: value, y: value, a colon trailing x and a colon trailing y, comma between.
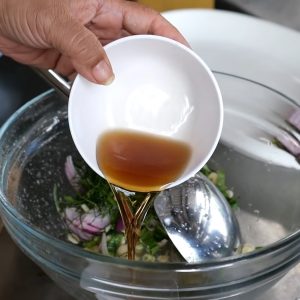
x: 102, y: 73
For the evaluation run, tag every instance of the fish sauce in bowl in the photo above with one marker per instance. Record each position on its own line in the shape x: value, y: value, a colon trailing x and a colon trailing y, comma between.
x: 135, y: 162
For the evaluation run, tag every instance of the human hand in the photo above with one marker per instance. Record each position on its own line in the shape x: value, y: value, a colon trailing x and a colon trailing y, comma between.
x: 68, y: 35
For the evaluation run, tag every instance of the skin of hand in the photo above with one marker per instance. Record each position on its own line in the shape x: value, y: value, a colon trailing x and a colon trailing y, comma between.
x: 68, y: 35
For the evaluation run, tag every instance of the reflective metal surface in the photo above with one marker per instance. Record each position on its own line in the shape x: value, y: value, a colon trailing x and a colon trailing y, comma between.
x: 198, y: 219
x: 56, y: 81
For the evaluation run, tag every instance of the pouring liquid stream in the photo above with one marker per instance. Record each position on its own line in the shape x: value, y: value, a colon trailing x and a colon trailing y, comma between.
x: 137, y: 166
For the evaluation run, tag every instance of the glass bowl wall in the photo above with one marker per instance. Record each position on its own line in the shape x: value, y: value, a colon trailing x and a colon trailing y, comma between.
x: 34, y: 143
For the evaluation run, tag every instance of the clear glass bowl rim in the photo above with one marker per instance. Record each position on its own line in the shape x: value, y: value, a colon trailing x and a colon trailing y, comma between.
x: 75, y: 250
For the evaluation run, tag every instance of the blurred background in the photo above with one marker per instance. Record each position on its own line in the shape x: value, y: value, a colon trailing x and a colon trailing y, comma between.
x: 163, y: 5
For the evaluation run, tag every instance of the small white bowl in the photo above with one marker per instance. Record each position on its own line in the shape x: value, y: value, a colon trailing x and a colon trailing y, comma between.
x: 161, y: 87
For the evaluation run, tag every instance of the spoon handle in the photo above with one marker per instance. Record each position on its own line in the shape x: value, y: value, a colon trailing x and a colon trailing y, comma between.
x: 57, y: 81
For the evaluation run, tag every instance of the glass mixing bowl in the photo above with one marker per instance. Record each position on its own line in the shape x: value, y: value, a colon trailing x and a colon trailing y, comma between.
x: 35, y: 141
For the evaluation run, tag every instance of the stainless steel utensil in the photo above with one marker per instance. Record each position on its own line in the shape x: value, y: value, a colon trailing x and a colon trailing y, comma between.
x: 198, y: 220
x: 55, y: 80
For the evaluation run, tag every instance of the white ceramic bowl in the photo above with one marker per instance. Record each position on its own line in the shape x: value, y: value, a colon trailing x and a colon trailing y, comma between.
x: 161, y: 87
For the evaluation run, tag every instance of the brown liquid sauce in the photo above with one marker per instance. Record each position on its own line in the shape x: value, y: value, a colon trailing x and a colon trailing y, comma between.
x: 139, y: 162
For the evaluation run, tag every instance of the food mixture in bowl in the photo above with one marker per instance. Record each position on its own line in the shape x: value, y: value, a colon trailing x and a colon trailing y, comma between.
x: 35, y: 145
x: 93, y: 221
x: 59, y: 194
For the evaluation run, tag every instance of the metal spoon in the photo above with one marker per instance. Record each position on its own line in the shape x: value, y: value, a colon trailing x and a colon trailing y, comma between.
x: 198, y: 220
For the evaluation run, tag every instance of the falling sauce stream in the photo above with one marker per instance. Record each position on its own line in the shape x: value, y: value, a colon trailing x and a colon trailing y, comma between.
x: 143, y: 164
x: 133, y: 213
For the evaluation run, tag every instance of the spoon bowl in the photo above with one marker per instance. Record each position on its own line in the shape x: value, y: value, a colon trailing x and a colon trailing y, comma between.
x: 198, y: 220
x: 161, y: 87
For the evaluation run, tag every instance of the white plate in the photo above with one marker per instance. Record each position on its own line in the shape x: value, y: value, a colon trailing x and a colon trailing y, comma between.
x: 257, y: 50
x: 244, y: 46
x: 254, y: 50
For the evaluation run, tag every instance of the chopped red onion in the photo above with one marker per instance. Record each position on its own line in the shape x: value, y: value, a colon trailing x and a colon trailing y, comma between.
x: 120, y: 225
x: 288, y: 142
x: 81, y: 234
x: 93, y: 222
x: 294, y: 119
x: 72, y: 174
x: 86, y: 225
x: 73, y: 222
x: 71, y: 213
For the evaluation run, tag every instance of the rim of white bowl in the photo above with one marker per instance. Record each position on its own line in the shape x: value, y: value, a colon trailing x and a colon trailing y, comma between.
x: 211, y: 77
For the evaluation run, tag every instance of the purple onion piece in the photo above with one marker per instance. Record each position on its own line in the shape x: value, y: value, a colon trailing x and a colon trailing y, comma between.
x: 81, y: 234
x: 289, y: 143
x: 72, y: 174
x: 120, y: 225
x: 294, y: 119
x: 73, y: 222
x: 93, y: 222
x: 71, y: 214
x: 86, y: 225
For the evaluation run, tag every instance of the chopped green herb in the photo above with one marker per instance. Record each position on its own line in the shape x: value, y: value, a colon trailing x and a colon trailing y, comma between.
x: 94, y: 195
x: 114, y: 242
x: 92, y: 243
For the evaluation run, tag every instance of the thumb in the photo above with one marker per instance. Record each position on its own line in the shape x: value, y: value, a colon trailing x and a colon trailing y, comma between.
x: 84, y: 50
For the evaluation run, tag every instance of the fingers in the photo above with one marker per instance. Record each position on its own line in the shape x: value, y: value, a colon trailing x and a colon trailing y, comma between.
x: 83, y: 49
x: 138, y: 19
x: 82, y: 46
x: 50, y: 30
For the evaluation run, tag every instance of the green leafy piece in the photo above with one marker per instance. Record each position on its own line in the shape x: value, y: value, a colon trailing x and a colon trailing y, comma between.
x: 95, y: 192
x: 232, y: 202
x: 152, y: 233
x: 152, y: 222
x: 92, y: 243
x: 148, y: 240
x: 71, y: 201
x: 113, y: 242
x: 57, y: 199
x: 206, y: 170
x: 221, y: 184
